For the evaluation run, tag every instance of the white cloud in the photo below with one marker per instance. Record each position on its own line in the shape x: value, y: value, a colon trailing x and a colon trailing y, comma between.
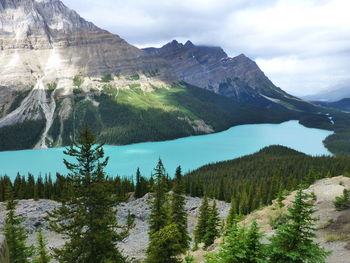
x: 302, y: 46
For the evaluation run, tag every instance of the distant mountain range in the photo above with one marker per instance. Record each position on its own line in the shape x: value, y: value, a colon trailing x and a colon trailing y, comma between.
x: 330, y: 95
x: 59, y: 71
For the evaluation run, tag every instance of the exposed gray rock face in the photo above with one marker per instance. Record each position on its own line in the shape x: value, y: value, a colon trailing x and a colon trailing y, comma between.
x: 134, y: 246
x: 44, y: 38
x: 210, y: 67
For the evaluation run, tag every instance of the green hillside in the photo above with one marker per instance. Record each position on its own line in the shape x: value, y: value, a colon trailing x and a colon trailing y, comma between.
x: 123, y: 116
x: 256, y: 179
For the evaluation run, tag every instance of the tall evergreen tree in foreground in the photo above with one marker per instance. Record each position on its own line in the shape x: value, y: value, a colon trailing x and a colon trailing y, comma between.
x: 138, y: 186
x: 159, y: 216
x: 212, y: 230
x: 232, y: 216
x: 294, y: 241
x: 202, y: 224
x: 178, y: 213
x: 42, y: 255
x: 88, y: 218
x: 15, y: 234
x: 165, y: 244
x: 241, y: 246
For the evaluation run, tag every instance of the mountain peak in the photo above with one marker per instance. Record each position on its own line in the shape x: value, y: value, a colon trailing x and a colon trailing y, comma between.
x: 189, y: 44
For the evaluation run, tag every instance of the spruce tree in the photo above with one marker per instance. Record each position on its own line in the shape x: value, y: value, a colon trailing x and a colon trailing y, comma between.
x: 15, y: 234
x: 232, y: 215
x: 256, y: 251
x: 138, y: 186
x: 165, y: 246
x: 294, y: 241
x: 159, y: 214
x: 178, y: 213
x: 42, y: 255
x: 212, y: 231
x: 202, y: 224
x: 87, y: 218
x: 234, y: 250
x: 241, y: 246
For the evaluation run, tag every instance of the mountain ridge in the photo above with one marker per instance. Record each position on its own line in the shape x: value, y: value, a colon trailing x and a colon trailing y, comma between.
x: 56, y: 66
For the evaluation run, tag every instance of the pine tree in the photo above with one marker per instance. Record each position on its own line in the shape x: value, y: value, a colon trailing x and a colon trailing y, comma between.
x: 138, y: 186
x: 202, y: 224
x: 15, y: 234
x: 241, y: 246
x: 234, y: 250
x: 280, y: 198
x: 256, y: 251
x: 212, y: 231
x: 164, y: 246
x: 87, y: 218
x: 294, y: 241
x: 342, y: 202
x: 232, y: 216
x: 42, y: 255
x: 178, y: 213
x: 159, y: 214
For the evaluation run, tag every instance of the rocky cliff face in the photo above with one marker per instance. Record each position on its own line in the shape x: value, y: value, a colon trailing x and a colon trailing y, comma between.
x: 44, y: 42
x: 210, y: 68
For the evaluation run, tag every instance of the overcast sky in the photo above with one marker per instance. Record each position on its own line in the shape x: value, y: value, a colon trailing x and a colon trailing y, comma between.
x: 303, y: 46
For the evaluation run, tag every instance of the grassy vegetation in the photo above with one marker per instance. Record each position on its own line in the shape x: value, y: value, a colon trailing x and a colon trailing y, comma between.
x: 52, y: 86
x: 336, y: 237
x: 78, y: 80
x: 107, y: 78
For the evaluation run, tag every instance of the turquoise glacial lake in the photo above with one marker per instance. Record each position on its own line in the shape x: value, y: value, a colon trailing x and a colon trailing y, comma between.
x: 190, y: 152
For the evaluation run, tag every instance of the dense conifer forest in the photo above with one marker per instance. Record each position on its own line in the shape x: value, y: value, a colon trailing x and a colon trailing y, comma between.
x: 256, y: 179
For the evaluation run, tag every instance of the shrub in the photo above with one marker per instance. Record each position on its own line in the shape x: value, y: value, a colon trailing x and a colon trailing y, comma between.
x: 107, y: 78
x: 52, y: 86
x: 77, y: 91
x: 78, y: 80
x: 134, y: 77
x: 342, y: 202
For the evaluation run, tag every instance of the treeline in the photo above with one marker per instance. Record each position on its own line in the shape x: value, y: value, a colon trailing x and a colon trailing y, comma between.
x: 255, y: 180
x: 58, y: 189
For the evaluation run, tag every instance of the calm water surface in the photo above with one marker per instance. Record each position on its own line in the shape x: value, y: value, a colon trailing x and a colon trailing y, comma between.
x: 190, y: 153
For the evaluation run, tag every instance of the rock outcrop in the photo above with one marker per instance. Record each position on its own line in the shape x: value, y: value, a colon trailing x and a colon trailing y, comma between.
x: 134, y: 246
x: 210, y: 68
x: 333, y: 227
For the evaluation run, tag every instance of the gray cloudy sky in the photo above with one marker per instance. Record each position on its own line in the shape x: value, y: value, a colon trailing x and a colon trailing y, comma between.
x: 303, y: 46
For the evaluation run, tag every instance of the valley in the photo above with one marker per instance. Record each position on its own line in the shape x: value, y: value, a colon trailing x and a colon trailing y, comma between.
x: 190, y: 152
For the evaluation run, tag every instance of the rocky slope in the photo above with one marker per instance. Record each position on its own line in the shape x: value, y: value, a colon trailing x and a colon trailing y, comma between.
x: 134, y: 246
x: 333, y: 226
x: 210, y: 68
